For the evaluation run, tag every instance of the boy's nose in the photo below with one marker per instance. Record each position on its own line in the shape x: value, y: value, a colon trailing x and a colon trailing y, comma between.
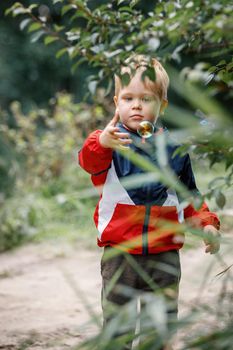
x: 137, y: 104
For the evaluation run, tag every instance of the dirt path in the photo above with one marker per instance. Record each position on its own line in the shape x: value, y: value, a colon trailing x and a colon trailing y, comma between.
x: 45, y: 289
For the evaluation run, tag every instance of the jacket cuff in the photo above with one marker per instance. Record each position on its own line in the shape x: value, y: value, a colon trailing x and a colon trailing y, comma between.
x: 211, y: 220
x: 101, y: 149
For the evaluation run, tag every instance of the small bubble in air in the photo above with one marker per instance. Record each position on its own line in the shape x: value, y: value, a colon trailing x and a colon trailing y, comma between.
x: 145, y: 129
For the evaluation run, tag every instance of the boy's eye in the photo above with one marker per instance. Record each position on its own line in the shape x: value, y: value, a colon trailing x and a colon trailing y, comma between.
x: 143, y: 99
x: 147, y: 99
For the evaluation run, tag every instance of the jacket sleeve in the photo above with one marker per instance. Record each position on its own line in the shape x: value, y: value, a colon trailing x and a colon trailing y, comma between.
x: 94, y: 158
x: 196, y: 217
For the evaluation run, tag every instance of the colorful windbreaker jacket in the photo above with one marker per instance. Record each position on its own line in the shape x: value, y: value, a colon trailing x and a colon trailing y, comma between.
x: 142, y: 218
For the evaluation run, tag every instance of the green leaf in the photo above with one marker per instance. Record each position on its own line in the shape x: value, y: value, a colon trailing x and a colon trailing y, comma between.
x: 133, y: 3
x: 70, y: 51
x: 229, y: 66
x: 113, y: 53
x: 24, y: 23
x: 8, y: 11
x: 229, y: 162
x: 161, y: 150
x: 61, y: 52
x: 67, y: 8
x: 58, y: 28
x: 81, y: 3
x: 34, y: 26
x: 181, y: 150
x: 109, y: 87
x: 19, y: 11
x: 125, y: 9
x: 77, y: 64
x: 33, y: 6
x: 125, y: 79
x: 153, y: 44
x: 119, y: 2
x: 212, y: 69
x: 197, y: 202
x: 50, y: 39
x: 147, y: 22
x: 221, y: 63
x: 36, y: 36
x: 220, y: 198
x: 92, y: 85
x: 16, y: 9
x: 150, y: 73
x: 74, y: 53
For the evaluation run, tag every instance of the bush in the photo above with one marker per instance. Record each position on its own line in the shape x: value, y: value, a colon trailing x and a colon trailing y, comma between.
x: 19, y: 218
x: 38, y: 163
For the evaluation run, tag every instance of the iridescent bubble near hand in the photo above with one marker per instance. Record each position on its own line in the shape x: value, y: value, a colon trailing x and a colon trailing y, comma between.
x: 145, y: 129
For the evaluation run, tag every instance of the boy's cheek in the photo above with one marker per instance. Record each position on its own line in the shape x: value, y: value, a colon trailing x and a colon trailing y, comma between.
x: 156, y: 109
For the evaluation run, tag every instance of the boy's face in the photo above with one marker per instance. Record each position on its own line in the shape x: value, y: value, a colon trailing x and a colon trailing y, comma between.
x: 136, y: 103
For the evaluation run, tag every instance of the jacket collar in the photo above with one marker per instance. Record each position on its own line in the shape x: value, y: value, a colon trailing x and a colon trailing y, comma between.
x: 157, y: 130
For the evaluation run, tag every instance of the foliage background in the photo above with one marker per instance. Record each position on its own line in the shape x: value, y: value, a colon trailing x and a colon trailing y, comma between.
x: 56, y: 66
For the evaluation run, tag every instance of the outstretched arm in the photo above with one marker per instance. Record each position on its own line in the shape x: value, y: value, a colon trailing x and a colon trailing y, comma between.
x: 212, y: 239
x: 96, y: 154
x: 202, y: 217
x: 111, y: 137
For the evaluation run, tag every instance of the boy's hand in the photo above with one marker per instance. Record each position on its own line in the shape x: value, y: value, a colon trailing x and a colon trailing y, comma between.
x: 212, y: 242
x: 111, y: 137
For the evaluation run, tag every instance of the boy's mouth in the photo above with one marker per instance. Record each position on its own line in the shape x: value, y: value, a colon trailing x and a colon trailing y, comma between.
x: 137, y: 116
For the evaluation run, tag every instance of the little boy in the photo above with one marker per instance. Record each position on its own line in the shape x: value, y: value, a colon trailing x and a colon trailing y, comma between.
x: 129, y: 219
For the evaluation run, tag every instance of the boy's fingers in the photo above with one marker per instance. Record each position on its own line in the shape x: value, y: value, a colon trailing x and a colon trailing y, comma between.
x: 121, y: 142
x: 115, y: 119
x: 212, y: 249
x: 125, y: 141
x: 113, y: 130
x: 122, y: 135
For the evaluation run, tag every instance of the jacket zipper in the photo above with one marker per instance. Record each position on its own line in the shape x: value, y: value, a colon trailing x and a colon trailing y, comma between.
x: 145, y: 250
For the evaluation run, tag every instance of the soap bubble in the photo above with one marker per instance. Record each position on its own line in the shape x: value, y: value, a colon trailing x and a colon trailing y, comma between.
x: 145, y: 129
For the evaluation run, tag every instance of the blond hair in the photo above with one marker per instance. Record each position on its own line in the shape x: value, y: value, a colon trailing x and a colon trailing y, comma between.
x: 136, y: 63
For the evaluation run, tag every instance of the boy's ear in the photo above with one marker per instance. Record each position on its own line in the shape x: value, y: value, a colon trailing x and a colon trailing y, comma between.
x: 163, y: 106
x: 115, y: 100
